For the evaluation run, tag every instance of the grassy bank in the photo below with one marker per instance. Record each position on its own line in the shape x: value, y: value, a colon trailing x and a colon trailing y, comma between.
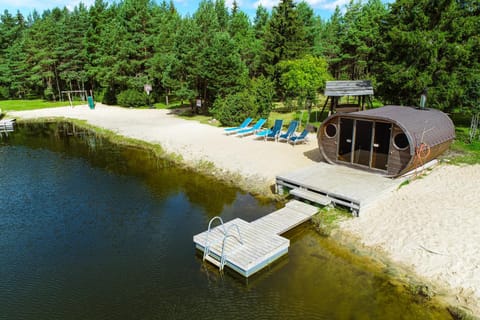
x: 260, y: 189
x: 464, y: 151
x: 24, y: 105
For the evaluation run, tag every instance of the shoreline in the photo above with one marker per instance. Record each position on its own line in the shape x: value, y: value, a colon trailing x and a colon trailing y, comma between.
x: 428, y: 210
x: 253, y: 159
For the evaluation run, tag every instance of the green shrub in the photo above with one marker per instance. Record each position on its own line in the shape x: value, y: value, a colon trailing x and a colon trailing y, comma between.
x: 263, y: 91
x: 234, y: 108
x: 108, y: 96
x: 48, y: 94
x: 131, y: 98
x: 255, y: 102
x: 4, y: 93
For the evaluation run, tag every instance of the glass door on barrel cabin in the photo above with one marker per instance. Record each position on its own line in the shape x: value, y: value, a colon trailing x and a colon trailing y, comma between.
x: 364, y: 143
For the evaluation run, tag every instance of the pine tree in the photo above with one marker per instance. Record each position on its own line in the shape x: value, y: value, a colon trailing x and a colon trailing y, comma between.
x: 72, y: 45
x: 12, y: 66
x: 249, y: 47
x: 307, y: 17
x: 284, y: 36
x: 222, y: 14
x: 162, y: 66
x: 430, y: 46
x: 99, y: 15
x: 328, y: 44
x: 43, y: 53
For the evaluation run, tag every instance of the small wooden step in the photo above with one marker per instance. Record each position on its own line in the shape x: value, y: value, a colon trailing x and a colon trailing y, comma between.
x: 213, y: 261
x: 311, y: 196
x: 7, y: 125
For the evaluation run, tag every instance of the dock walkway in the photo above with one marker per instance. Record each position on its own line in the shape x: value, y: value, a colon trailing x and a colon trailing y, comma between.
x: 249, y: 247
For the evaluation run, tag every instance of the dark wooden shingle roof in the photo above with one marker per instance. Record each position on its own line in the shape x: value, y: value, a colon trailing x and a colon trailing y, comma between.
x: 348, y: 88
x: 429, y: 126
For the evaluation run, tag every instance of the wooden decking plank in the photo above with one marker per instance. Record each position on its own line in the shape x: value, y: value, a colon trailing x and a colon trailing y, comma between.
x: 250, y: 242
x: 311, y: 196
x: 343, y: 185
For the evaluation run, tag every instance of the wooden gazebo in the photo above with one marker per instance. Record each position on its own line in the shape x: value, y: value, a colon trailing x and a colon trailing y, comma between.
x: 359, y: 91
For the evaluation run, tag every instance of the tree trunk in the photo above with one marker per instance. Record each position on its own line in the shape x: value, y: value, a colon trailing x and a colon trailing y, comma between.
x: 57, y: 83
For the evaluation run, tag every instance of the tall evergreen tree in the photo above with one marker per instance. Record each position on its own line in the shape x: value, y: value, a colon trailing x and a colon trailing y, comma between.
x: 430, y: 46
x: 73, y: 49
x: 360, y: 37
x: 284, y: 36
x: 222, y: 14
x: 162, y: 66
x: 249, y: 46
x: 186, y: 49
x: 327, y: 42
x: 43, y: 53
x: 260, y: 21
x: 308, y: 19
x: 99, y: 15
x: 12, y: 60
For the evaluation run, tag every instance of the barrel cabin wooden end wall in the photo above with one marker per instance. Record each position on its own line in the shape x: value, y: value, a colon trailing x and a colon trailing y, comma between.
x: 392, y: 140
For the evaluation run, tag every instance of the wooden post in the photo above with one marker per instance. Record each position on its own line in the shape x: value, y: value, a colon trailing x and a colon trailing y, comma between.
x: 70, y: 99
x: 333, y: 105
x: 324, y: 106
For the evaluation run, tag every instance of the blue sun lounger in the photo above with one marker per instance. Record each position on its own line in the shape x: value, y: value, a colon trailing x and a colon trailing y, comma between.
x: 263, y: 133
x: 290, y: 131
x: 253, y: 129
x: 302, y: 137
x: 271, y: 133
x: 242, y: 126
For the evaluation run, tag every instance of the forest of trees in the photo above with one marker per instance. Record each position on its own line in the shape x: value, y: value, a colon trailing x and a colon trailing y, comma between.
x: 222, y: 56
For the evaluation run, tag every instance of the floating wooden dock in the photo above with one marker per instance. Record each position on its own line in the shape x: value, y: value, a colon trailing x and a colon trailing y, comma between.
x: 324, y: 183
x: 249, y: 247
x: 7, y: 126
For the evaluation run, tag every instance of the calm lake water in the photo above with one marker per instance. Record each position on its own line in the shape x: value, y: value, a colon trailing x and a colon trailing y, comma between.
x: 90, y: 230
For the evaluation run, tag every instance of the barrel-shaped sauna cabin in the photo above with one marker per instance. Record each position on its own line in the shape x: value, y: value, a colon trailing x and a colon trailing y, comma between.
x: 392, y: 140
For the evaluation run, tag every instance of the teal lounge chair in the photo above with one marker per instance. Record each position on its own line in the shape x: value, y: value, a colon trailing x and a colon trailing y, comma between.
x: 276, y: 130
x: 290, y: 131
x: 242, y: 126
x: 263, y: 133
x: 271, y: 133
x: 253, y: 129
x: 302, y: 137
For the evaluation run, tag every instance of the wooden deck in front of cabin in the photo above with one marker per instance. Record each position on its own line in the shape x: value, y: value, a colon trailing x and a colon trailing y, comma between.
x: 325, y: 183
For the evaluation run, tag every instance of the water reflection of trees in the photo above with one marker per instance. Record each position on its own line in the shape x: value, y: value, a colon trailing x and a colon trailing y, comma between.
x: 162, y: 176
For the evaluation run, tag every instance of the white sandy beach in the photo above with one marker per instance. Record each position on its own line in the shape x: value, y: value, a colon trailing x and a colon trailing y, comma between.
x: 431, y: 225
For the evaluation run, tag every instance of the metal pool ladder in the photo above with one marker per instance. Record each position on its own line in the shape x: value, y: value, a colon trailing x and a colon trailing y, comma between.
x: 226, y: 235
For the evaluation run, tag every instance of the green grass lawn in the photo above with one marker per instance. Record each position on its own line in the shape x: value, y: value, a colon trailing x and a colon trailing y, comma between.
x: 22, y: 105
x: 463, y: 150
x: 172, y: 105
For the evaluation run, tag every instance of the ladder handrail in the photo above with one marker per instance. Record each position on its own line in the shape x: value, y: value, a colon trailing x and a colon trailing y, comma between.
x: 207, y: 247
x: 223, y: 259
x: 238, y: 231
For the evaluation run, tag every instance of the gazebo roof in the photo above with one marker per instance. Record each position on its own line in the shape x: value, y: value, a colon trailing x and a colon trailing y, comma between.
x: 348, y: 88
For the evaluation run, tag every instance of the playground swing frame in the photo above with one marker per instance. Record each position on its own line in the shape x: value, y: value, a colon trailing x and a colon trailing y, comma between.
x: 82, y: 93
